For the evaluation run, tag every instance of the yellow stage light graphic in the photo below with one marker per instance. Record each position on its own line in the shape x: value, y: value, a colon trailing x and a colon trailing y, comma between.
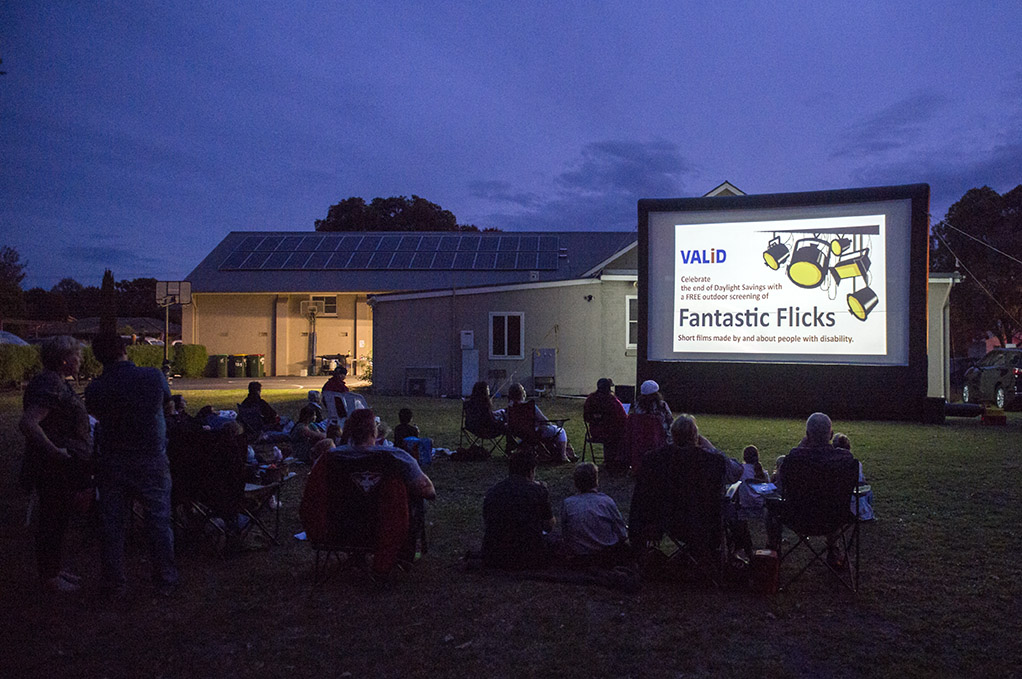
x: 862, y: 302
x: 809, y: 263
x: 852, y: 265
x: 776, y: 254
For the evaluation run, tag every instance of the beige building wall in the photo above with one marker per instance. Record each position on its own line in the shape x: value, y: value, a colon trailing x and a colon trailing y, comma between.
x: 273, y: 325
x: 585, y: 323
x: 938, y: 338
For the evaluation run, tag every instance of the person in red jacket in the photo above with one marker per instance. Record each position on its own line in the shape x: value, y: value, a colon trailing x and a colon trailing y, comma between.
x: 606, y: 417
x: 336, y: 381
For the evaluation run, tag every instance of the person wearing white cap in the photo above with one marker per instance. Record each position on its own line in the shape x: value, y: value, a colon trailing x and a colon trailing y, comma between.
x: 651, y: 402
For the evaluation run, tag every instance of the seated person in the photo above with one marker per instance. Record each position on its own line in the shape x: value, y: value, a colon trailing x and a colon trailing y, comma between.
x: 518, y: 518
x: 651, y: 402
x: 255, y: 400
x: 680, y: 491
x: 211, y: 419
x: 553, y: 435
x: 816, y: 447
x: 304, y: 436
x: 332, y: 440
x: 383, y: 434
x: 406, y: 437
x: 178, y: 419
x: 606, y: 417
x: 315, y: 403
x: 397, y: 536
x: 336, y: 381
x: 480, y: 418
x: 592, y: 528
x: 864, y: 502
x: 777, y: 468
x: 746, y: 503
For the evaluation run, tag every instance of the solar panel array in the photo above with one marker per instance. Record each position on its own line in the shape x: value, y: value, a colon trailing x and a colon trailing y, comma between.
x: 395, y: 252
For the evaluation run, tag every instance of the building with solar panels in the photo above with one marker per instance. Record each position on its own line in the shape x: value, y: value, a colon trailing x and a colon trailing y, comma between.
x: 435, y: 311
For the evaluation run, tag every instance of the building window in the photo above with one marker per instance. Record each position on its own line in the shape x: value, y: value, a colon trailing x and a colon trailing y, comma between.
x: 507, y: 334
x: 329, y: 304
x: 631, y: 322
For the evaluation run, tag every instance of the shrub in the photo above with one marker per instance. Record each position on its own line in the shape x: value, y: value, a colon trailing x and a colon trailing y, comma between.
x: 146, y: 355
x: 189, y: 360
x: 18, y: 363
x: 91, y: 367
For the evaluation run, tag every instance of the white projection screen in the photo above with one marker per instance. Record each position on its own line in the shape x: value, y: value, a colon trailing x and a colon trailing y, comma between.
x: 814, y: 291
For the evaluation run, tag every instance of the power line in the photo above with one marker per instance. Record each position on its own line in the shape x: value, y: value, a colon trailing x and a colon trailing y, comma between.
x: 969, y: 235
x: 975, y: 278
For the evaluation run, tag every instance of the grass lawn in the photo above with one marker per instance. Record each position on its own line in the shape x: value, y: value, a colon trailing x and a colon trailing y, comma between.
x: 940, y: 592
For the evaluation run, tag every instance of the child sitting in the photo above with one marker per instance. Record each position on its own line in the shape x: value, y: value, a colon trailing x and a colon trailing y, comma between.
x: 865, y: 503
x: 748, y: 503
x: 406, y: 437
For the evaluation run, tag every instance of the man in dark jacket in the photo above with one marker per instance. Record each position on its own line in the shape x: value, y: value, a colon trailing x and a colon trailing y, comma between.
x: 129, y: 402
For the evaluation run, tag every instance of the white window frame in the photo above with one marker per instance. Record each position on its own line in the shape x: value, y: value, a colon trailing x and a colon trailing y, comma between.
x: 521, y: 335
x: 629, y: 320
x: 328, y: 301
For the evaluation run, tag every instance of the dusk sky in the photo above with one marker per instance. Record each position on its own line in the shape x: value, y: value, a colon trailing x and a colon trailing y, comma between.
x: 135, y: 135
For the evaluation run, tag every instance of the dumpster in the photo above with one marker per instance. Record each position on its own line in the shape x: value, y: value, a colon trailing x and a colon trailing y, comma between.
x: 255, y: 365
x: 218, y: 365
x: 236, y: 365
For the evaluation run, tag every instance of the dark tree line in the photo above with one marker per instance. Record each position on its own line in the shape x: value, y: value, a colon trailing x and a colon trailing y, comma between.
x: 396, y: 213
x: 981, y: 238
x: 69, y: 298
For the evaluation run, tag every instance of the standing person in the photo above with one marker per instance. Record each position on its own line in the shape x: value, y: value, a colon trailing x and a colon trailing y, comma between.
x: 129, y: 403
x: 651, y: 402
x: 58, y: 453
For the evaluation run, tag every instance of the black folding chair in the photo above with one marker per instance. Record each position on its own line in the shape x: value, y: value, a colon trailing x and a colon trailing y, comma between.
x: 522, y: 430
x: 487, y: 435
x: 816, y: 506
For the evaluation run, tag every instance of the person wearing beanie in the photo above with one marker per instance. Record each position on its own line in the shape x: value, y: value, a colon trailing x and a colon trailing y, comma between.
x: 650, y: 402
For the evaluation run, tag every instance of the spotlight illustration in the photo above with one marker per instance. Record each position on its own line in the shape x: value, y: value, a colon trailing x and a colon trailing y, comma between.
x: 851, y: 265
x: 809, y: 263
x: 862, y: 302
x: 776, y: 253
x: 839, y: 245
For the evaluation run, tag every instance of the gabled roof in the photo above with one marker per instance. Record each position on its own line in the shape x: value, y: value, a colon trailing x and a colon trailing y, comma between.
x: 290, y: 261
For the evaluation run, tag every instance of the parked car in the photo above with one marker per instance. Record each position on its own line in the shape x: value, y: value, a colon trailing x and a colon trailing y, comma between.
x: 997, y: 377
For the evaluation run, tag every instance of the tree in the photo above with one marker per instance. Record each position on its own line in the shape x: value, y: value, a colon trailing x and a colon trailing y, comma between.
x: 12, y: 272
x: 981, y: 237
x: 108, y: 305
x: 396, y: 213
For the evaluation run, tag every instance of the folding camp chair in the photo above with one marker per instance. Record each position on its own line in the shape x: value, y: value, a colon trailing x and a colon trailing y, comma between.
x: 588, y: 446
x: 364, y: 511
x: 341, y: 404
x: 208, y: 470
x: 489, y: 435
x: 643, y: 433
x: 817, y: 497
x: 679, y: 494
x: 522, y: 430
